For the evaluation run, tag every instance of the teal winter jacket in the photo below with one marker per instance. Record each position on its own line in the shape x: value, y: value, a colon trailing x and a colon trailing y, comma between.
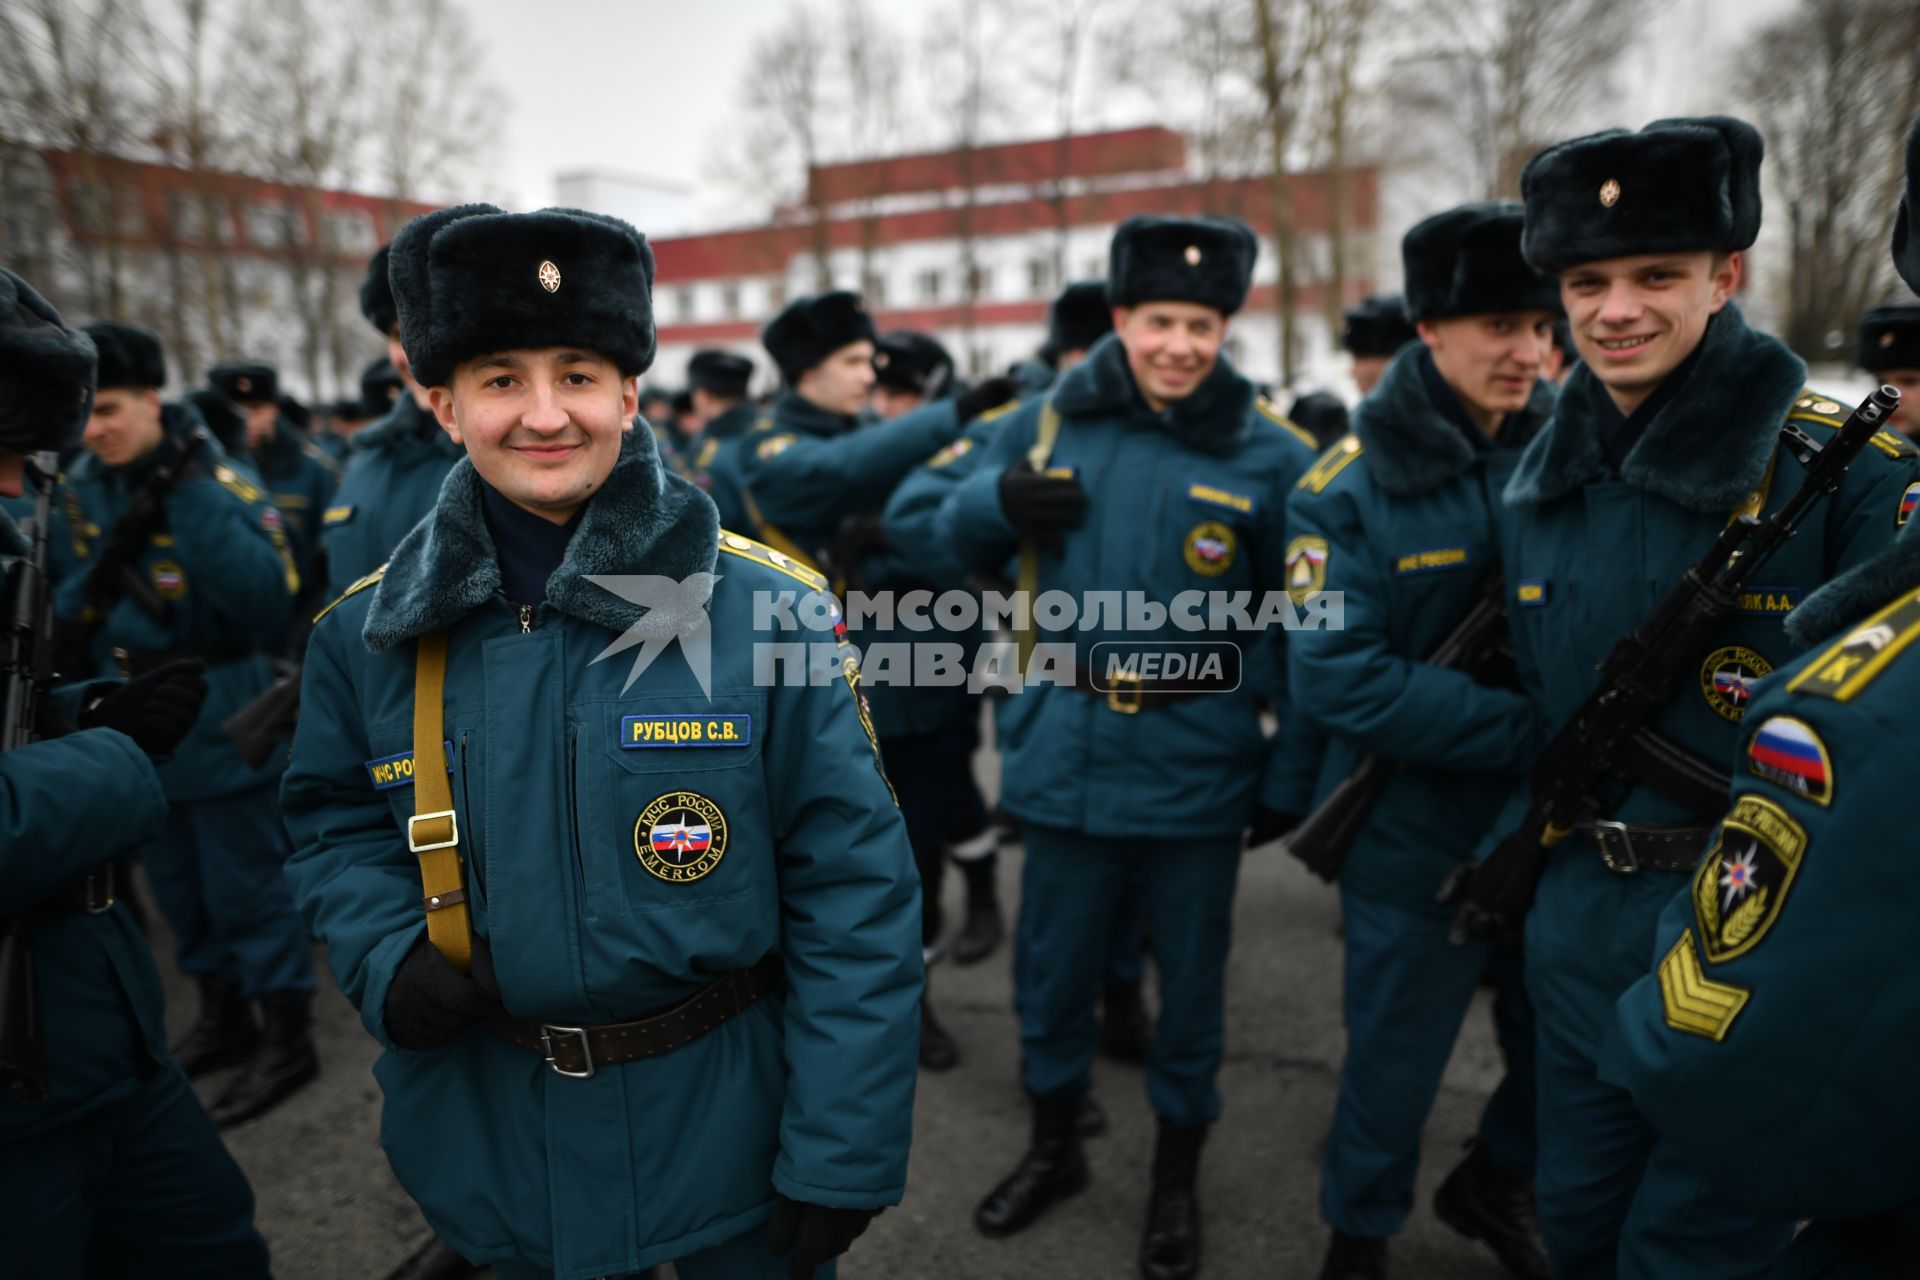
x: 566, y: 748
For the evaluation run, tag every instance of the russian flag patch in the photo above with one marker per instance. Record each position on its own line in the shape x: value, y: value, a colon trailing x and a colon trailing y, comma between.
x: 1787, y: 752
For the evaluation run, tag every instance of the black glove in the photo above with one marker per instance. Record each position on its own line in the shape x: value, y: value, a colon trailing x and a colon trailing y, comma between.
x: 430, y: 1004
x: 156, y: 709
x: 975, y: 401
x: 1042, y: 507
x: 1269, y: 825
x: 809, y: 1236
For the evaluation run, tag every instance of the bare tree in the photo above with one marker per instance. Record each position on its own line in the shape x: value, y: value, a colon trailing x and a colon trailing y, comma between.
x: 872, y: 59
x: 429, y: 110
x: 1064, y: 33
x: 969, y: 97
x: 71, y: 79
x: 1499, y: 76
x: 785, y: 122
x: 1833, y: 86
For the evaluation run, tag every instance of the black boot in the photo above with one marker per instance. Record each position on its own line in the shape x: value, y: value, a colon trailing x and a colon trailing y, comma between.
x: 984, y: 926
x: 1053, y: 1168
x: 1355, y: 1258
x: 1126, y: 1032
x: 284, y: 1062
x: 1483, y: 1203
x: 1170, y: 1246
x: 938, y: 1052
x: 434, y: 1261
x: 1091, y: 1121
x: 224, y: 1036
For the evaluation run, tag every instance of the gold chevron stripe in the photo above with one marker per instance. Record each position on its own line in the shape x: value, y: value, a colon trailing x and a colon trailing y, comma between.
x: 1695, y: 1004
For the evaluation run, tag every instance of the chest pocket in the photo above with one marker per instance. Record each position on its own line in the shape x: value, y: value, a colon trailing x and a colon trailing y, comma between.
x: 1204, y: 533
x: 670, y: 802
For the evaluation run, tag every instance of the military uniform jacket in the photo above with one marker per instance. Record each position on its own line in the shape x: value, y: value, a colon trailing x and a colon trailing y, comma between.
x: 301, y: 477
x: 392, y: 479
x: 1190, y: 499
x: 717, y: 470
x: 1400, y: 518
x: 1777, y: 1037
x: 1703, y: 457
x: 623, y: 847
x: 67, y: 806
x: 221, y: 566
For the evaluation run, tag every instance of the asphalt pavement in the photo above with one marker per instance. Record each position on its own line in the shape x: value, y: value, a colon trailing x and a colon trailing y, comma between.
x: 331, y: 1209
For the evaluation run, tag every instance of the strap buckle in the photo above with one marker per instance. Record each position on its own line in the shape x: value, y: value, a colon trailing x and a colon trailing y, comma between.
x: 1117, y: 697
x: 1615, y: 843
x: 548, y: 1031
x: 99, y: 891
x: 417, y: 845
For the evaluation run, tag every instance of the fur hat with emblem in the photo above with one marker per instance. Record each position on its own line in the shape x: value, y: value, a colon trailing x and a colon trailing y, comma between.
x: 1204, y: 260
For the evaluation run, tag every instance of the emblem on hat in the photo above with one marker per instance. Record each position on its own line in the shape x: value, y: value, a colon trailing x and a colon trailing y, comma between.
x: 1609, y: 193
x: 549, y: 277
x: 1193, y: 255
x: 243, y: 383
x: 1886, y: 340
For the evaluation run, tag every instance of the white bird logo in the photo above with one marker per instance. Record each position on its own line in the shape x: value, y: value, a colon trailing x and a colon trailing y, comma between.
x: 675, y: 611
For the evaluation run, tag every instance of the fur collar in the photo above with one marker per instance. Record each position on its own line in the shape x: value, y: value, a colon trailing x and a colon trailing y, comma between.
x: 1216, y: 418
x: 1858, y: 593
x: 406, y: 428
x: 794, y: 412
x: 1706, y: 449
x: 1411, y: 446
x: 644, y: 520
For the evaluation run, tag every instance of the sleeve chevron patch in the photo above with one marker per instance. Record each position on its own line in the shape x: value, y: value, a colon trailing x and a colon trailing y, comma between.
x: 1694, y: 1003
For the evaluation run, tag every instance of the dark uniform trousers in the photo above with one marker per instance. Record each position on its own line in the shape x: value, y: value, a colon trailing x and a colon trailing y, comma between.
x: 138, y: 1187
x: 1072, y: 889
x: 744, y: 1257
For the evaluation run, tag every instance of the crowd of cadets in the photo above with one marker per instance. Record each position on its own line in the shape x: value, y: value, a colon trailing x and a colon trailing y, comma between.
x: 1567, y: 400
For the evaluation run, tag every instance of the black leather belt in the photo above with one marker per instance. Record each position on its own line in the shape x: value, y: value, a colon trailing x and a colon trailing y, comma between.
x: 1127, y: 694
x: 138, y: 664
x: 579, y: 1051
x: 92, y: 894
x: 1629, y: 847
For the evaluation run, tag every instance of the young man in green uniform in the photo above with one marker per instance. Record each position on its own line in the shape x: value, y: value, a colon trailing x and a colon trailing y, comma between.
x: 1669, y: 428
x: 639, y: 936
x: 1402, y: 520
x: 1890, y: 350
x: 1790, y: 960
x: 1167, y: 475
x: 299, y: 473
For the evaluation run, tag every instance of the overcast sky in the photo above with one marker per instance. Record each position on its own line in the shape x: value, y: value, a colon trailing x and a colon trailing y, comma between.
x: 656, y: 108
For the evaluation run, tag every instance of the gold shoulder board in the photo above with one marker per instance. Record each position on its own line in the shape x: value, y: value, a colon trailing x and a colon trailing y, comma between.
x: 1278, y: 419
x: 1331, y: 464
x: 760, y: 553
x: 354, y: 589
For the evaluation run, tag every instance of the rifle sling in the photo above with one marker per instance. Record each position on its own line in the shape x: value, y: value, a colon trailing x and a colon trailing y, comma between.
x: 433, y: 833
x: 1674, y: 773
x: 108, y: 583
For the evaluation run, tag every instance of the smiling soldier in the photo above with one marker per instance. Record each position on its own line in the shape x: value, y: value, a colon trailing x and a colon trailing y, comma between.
x: 641, y: 940
x: 1167, y: 474
x: 1675, y: 423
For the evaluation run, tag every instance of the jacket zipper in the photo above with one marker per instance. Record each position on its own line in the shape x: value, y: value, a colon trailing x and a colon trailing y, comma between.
x: 526, y: 619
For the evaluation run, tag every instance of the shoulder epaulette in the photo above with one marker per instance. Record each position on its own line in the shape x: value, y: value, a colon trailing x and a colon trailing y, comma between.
x: 1000, y: 410
x: 236, y: 484
x: 356, y: 588
x: 1813, y: 406
x: 1273, y: 415
x: 760, y: 553
x: 1331, y: 464
x: 764, y: 424
x: 320, y: 456
x: 1852, y: 662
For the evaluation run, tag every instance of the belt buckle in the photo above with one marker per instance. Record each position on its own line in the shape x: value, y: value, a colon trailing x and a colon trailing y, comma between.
x: 453, y: 832
x: 1116, y: 701
x: 101, y: 902
x: 548, y: 1031
x: 1624, y: 862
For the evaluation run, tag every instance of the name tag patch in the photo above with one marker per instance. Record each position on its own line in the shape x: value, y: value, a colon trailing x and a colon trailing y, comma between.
x: 637, y: 732
x: 1531, y: 593
x: 1430, y: 560
x: 1770, y: 602
x: 389, y: 772
x: 1214, y: 496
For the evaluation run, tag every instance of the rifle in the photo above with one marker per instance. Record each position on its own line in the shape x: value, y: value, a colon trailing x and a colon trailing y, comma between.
x: 25, y: 675
x: 1637, y: 678
x: 1325, y: 837
x: 116, y: 574
x: 269, y: 720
